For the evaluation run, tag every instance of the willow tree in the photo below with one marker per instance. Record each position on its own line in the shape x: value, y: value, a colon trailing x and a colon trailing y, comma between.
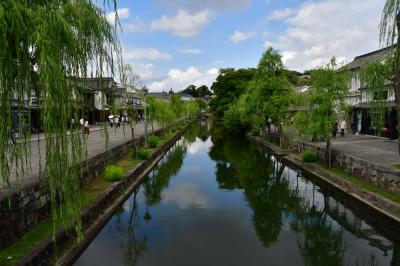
x: 46, y: 46
x: 389, y: 36
x: 269, y: 93
x: 326, y: 104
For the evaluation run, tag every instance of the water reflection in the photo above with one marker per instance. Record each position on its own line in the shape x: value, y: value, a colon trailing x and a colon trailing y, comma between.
x: 215, y: 199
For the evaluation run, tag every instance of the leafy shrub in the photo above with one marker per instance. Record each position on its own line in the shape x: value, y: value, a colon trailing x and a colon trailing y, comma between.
x: 152, y: 141
x: 114, y: 173
x: 143, y: 154
x: 309, y: 156
x: 173, y: 130
x: 255, y: 132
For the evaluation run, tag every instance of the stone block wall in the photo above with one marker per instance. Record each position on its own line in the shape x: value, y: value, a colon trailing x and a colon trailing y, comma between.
x: 385, y: 177
x: 28, y: 205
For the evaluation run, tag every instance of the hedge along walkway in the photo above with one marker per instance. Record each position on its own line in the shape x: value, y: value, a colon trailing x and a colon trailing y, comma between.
x: 38, y: 240
x: 95, y: 146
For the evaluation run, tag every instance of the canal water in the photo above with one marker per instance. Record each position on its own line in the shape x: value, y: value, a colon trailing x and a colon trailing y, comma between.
x: 216, y: 199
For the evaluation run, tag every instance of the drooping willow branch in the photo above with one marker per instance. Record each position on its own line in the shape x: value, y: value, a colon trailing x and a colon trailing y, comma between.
x: 45, y: 45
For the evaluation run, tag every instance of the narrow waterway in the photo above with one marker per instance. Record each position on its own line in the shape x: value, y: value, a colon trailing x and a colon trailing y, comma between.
x: 215, y: 199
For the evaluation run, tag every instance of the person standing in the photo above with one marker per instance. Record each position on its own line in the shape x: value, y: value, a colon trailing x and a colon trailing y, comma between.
x: 334, y: 130
x: 342, y: 127
x: 86, y: 131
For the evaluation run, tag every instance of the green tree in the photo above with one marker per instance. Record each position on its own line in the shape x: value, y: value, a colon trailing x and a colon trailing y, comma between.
x: 389, y: 35
x: 177, y: 106
x: 228, y: 87
x: 44, y: 45
x: 268, y: 94
x: 326, y: 103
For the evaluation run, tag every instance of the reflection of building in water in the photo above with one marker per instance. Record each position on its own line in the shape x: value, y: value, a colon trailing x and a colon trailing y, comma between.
x: 356, y: 225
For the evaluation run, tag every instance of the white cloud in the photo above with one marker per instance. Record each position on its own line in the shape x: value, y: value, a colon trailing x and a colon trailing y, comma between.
x: 281, y: 14
x: 321, y: 29
x: 123, y: 13
x: 190, y: 51
x: 137, y: 24
x: 146, y: 54
x: 239, y: 36
x: 186, y: 195
x: 184, y: 24
x: 179, y: 79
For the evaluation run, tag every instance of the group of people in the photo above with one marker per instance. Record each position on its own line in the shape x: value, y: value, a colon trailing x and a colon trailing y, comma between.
x: 85, y: 126
x: 342, y: 126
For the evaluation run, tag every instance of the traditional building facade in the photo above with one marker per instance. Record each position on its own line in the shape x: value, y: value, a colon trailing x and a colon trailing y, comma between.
x: 361, y: 100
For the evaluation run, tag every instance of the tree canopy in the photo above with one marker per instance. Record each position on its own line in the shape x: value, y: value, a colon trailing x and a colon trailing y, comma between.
x: 44, y: 45
x: 197, y: 91
x: 228, y: 87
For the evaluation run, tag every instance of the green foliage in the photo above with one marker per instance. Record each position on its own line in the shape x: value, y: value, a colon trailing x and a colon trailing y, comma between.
x: 309, y: 156
x: 255, y: 132
x: 228, y: 87
x: 197, y: 92
x: 152, y: 141
x: 114, y: 173
x: 375, y: 81
x: 324, y: 103
x: 268, y: 94
x: 45, y: 47
x: 177, y: 106
x: 143, y: 154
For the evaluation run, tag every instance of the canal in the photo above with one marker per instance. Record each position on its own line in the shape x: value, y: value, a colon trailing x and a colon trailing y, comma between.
x: 216, y: 199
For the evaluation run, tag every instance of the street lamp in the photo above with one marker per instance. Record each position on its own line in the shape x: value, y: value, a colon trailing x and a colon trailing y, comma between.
x: 145, y: 90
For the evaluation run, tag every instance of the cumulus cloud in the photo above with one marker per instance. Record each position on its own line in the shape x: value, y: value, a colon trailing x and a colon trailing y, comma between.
x: 184, y: 24
x: 239, y: 36
x: 190, y: 51
x: 319, y: 30
x: 195, y: 5
x: 179, y: 79
x: 123, y: 13
x: 146, y: 54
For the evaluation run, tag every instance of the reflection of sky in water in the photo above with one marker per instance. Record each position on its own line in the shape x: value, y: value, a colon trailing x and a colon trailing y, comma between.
x: 186, y: 195
x: 198, y: 223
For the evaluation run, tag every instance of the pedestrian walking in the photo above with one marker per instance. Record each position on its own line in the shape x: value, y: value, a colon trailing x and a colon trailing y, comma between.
x: 117, y: 121
x: 342, y: 127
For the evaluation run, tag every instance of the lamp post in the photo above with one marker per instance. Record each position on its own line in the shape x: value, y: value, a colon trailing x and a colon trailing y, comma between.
x: 145, y: 90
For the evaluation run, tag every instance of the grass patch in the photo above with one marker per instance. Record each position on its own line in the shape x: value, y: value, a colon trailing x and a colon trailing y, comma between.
x: 365, y: 185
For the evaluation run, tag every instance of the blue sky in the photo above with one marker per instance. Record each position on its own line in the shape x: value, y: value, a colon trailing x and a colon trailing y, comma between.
x: 175, y: 43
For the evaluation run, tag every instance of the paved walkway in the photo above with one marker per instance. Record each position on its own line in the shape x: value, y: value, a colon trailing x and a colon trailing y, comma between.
x: 369, y: 148
x: 96, y: 145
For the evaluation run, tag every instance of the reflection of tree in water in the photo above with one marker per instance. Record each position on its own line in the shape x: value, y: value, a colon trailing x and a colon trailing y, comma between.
x: 198, y: 130
x: 322, y: 244
x: 169, y: 166
x: 241, y: 166
x: 133, y: 248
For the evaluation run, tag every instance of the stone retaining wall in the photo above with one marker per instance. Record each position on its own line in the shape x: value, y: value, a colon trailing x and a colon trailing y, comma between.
x: 385, y: 177
x: 27, y: 206
x: 97, y: 214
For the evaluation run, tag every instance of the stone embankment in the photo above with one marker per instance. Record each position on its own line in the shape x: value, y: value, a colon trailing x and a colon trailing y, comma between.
x: 99, y: 212
x: 368, y: 200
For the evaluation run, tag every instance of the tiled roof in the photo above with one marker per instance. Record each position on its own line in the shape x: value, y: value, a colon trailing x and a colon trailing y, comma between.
x: 364, y: 60
x: 96, y: 84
